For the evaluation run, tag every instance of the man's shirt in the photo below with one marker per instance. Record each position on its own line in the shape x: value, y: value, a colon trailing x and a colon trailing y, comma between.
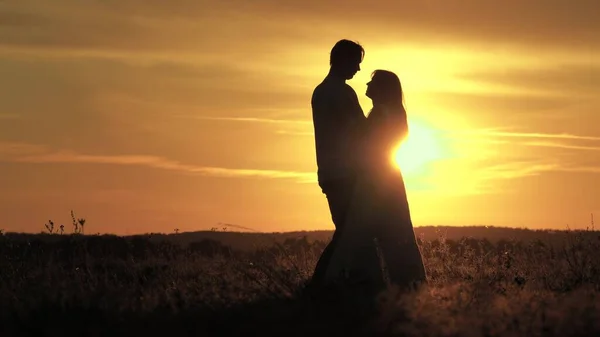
x: 338, y: 121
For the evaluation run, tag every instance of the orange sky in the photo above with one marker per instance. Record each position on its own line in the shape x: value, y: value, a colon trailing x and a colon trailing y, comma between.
x: 147, y: 116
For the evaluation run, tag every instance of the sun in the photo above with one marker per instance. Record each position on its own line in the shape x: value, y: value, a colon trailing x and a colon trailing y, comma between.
x: 420, y: 148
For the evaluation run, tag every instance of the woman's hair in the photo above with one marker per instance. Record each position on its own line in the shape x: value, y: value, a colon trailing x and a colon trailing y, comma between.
x: 391, y: 88
x: 392, y: 94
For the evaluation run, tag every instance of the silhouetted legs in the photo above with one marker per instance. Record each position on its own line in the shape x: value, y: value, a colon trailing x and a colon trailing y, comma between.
x: 339, y: 194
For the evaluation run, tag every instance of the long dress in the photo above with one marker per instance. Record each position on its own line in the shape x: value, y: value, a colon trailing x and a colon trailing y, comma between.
x: 378, y: 244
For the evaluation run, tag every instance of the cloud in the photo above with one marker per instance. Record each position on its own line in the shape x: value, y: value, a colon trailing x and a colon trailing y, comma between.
x: 475, y: 167
x: 295, y: 133
x: 213, y: 88
x: 562, y: 146
x: 493, y: 133
x: 132, y: 28
x: 566, y: 80
x: 553, y: 151
x: 476, y: 134
x: 537, y: 22
x: 475, y: 176
x: 516, y: 170
x: 485, y: 175
x: 158, y: 27
x: 492, y: 103
x: 70, y: 157
x: 581, y: 169
x: 491, y: 178
x: 121, y: 102
x: 251, y: 119
x: 8, y: 148
x: 480, y: 180
x: 488, y: 179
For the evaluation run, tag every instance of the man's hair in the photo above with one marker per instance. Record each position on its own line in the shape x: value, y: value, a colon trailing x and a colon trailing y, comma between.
x: 345, y: 49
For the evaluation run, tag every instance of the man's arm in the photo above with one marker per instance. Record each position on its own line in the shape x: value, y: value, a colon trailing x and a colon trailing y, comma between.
x: 320, y: 109
x: 321, y: 122
x: 356, y: 110
x: 331, y: 121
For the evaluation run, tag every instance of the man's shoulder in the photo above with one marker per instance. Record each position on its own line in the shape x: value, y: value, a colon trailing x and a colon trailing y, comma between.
x: 318, y: 89
x: 348, y: 89
x: 324, y: 92
x: 325, y: 87
x: 330, y: 90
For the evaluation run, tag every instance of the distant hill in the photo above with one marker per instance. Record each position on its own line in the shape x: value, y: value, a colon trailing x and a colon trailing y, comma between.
x: 246, y: 241
x: 249, y: 241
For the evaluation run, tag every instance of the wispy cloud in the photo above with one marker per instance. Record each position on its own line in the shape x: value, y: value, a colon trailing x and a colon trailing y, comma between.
x: 562, y: 146
x: 8, y: 116
x: 295, y: 133
x: 565, y: 141
x: 8, y: 148
x: 485, y: 179
x: 251, y: 119
x: 480, y: 133
x: 156, y: 24
x: 581, y: 169
x: 493, y: 133
x: 478, y: 177
x: 580, y: 78
x: 516, y: 170
x: 162, y: 163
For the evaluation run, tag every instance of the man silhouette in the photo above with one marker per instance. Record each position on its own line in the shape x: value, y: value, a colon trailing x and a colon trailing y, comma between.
x: 338, y: 120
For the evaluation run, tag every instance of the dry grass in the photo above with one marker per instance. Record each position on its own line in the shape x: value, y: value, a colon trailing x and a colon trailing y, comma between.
x: 73, y: 285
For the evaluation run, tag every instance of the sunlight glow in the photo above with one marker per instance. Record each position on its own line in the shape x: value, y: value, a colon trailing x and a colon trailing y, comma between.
x: 420, y: 148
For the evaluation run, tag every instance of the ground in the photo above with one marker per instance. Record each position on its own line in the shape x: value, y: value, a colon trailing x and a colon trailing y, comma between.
x: 547, y: 284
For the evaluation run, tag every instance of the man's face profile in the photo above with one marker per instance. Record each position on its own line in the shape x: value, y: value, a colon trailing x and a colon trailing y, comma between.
x: 351, y: 66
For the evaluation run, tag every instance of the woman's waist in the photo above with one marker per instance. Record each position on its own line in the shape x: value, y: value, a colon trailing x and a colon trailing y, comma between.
x: 382, y: 165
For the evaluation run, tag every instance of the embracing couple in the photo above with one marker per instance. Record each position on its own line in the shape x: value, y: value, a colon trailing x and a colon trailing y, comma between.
x: 374, y: 241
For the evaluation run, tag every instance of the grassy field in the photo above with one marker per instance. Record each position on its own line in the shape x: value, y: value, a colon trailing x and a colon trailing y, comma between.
x: 535, y: 284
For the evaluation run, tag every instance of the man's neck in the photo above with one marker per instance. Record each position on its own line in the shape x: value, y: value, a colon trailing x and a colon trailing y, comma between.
x: 335, y: 77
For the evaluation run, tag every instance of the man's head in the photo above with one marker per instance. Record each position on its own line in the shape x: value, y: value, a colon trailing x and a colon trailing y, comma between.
x: 345, y: 58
